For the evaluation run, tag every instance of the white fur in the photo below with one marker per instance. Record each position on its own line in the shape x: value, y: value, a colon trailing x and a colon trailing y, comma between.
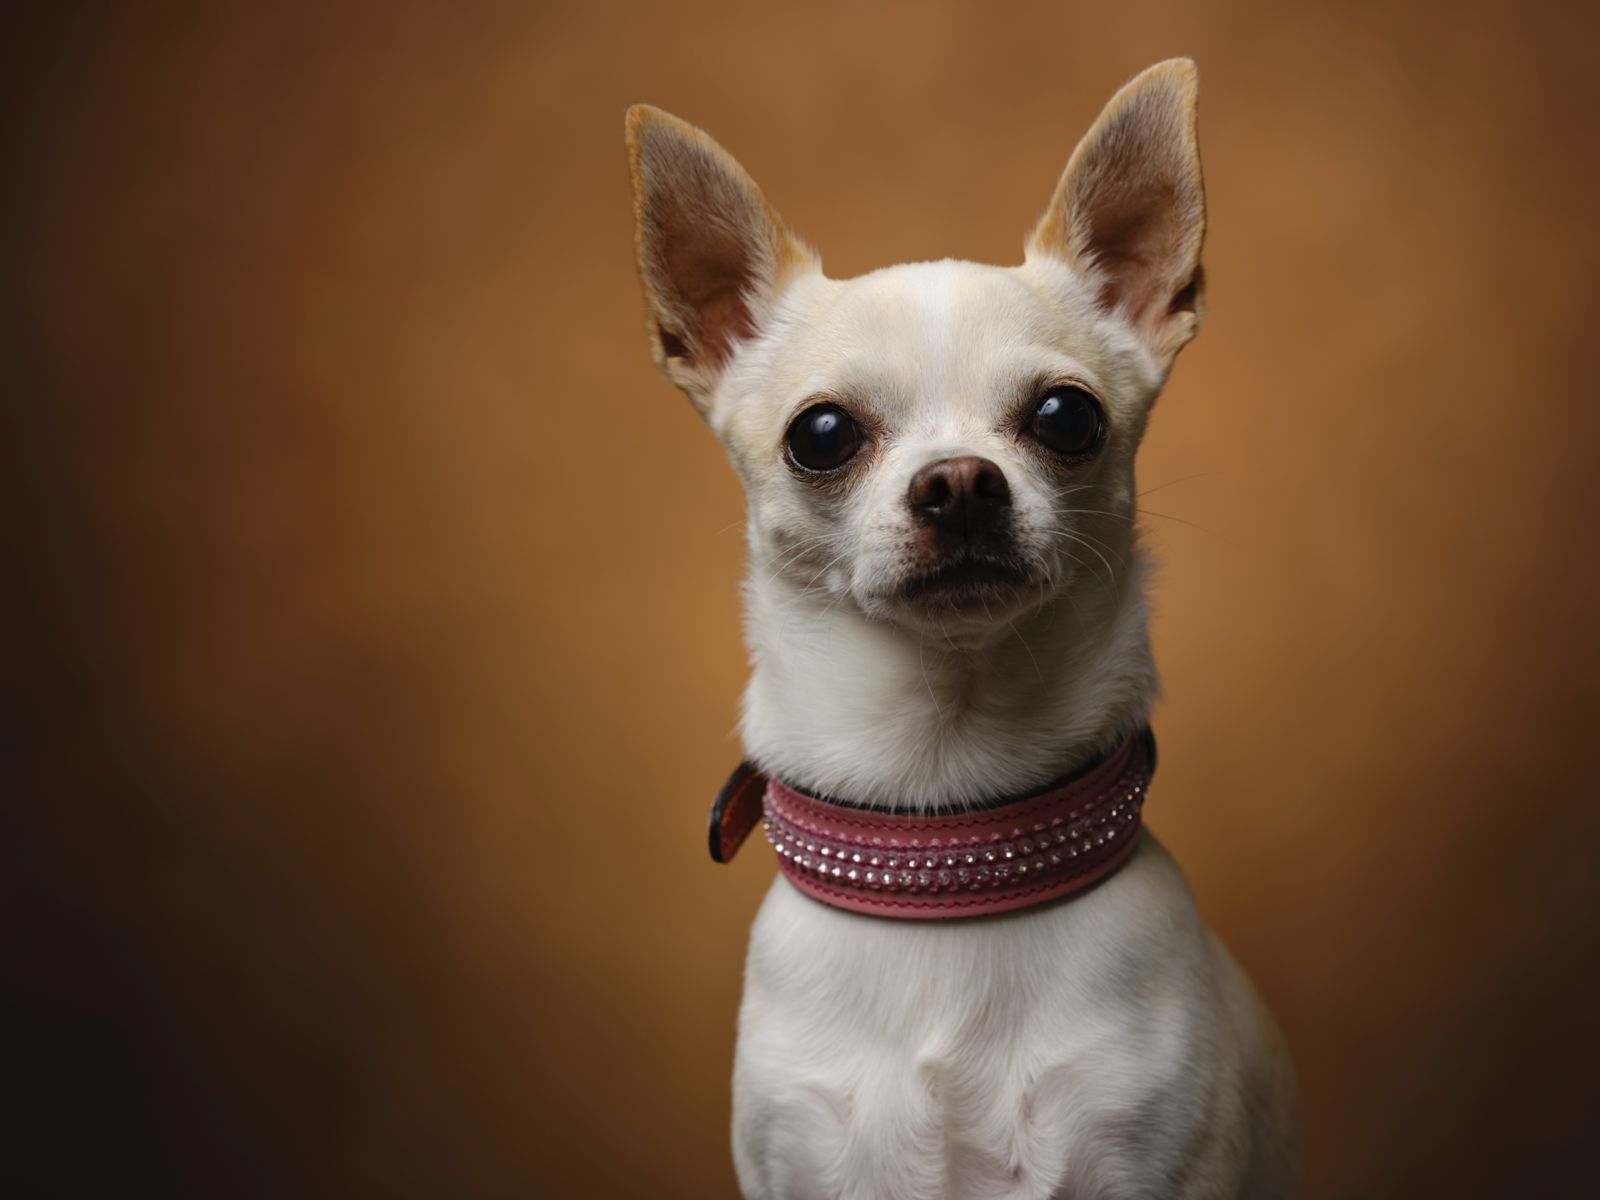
x: 1101, y: 1047
x: 1105, y: 1047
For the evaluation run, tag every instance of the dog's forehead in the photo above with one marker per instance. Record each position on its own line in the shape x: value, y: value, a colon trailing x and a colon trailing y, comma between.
x: 938, y: 349
x: 939, y: 333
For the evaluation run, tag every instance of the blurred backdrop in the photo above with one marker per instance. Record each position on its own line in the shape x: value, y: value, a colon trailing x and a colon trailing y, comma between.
x: 361, y: 565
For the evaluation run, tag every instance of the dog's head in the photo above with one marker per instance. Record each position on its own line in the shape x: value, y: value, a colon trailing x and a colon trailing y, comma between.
x: 942, y: 444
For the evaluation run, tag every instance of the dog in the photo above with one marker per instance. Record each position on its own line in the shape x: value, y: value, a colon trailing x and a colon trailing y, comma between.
x: 946, y: 616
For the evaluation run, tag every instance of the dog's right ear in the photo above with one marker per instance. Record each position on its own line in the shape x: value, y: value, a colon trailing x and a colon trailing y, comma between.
x: 713, y: 254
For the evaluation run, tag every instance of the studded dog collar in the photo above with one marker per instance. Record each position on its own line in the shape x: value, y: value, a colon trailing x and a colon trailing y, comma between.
x: 989, y: 859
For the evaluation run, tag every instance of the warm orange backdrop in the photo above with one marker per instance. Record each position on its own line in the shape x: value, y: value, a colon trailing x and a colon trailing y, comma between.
x: 363, y: 561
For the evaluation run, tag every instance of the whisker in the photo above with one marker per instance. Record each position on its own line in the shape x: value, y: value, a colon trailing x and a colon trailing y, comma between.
x: 1110, y: 549
x: 1077, y: 612
x: 1058, y: 592
x: 923, y: 663
x: 1111, y: 573
x: 1028, y: 648
x: 1176, y: 482
x: 800, y: 549
x: 1096, y: 512
x: 1145, y: 512
x: 806, y: 587
x: 1104, y: 562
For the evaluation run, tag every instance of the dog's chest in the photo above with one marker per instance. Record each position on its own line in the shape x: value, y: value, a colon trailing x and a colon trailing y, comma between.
x: 1055, y: 1054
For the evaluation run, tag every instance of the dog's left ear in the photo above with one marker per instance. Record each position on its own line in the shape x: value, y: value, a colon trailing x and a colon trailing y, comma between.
x: 1129, y: 214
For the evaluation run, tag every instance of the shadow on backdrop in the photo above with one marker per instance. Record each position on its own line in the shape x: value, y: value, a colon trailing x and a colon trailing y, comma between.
x: 364, y: 568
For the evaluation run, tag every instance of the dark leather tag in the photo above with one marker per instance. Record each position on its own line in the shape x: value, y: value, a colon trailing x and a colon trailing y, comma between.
x: 735, y: 811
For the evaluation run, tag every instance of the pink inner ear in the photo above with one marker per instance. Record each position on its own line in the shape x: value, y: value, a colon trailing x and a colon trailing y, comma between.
x: 1131, y: 205
x: 706, y: 280
x: 1134, y: 238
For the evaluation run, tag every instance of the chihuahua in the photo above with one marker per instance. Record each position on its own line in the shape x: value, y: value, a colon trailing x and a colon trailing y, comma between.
x: 946, y: 717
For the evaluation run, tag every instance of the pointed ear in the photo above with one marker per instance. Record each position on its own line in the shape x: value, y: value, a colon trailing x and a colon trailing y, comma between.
x: 1129, y: 213
x: 713, y: 254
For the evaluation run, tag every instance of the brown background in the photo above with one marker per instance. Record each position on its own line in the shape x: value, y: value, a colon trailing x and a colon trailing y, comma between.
x: 377, y: 642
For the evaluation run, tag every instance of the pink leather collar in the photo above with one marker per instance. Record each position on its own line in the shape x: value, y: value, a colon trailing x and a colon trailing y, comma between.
x: 990, y: 859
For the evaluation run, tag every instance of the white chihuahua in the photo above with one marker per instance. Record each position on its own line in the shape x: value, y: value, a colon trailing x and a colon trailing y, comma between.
x: 946, y: 716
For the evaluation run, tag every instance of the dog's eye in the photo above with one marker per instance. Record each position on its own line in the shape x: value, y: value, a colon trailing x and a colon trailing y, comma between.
x: 823, y: 438
x: 1068, y: 420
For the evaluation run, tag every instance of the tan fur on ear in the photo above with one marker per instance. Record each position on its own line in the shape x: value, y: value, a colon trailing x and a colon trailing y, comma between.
x: 1129, y: 211
x: 712, y: 253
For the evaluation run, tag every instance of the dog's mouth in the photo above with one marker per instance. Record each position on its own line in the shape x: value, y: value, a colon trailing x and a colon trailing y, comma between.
x: 965, y: 583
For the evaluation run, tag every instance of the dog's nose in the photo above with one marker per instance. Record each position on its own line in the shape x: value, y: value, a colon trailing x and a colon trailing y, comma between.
x: 967, y: 493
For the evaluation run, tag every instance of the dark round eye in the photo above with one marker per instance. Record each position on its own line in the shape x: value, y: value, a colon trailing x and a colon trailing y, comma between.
x: 1068, y: 421
x: 823, y: 438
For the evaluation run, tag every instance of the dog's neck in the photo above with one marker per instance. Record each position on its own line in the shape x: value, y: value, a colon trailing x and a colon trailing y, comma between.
x: 846, y: 706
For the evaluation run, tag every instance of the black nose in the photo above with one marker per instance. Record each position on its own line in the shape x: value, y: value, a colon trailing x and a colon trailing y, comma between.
x: 967, y: 494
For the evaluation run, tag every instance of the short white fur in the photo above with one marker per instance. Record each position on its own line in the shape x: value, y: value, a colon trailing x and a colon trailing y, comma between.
x: 1106, y: 1046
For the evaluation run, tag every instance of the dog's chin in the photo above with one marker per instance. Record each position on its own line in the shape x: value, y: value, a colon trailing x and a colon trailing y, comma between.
x: 968, y: 590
